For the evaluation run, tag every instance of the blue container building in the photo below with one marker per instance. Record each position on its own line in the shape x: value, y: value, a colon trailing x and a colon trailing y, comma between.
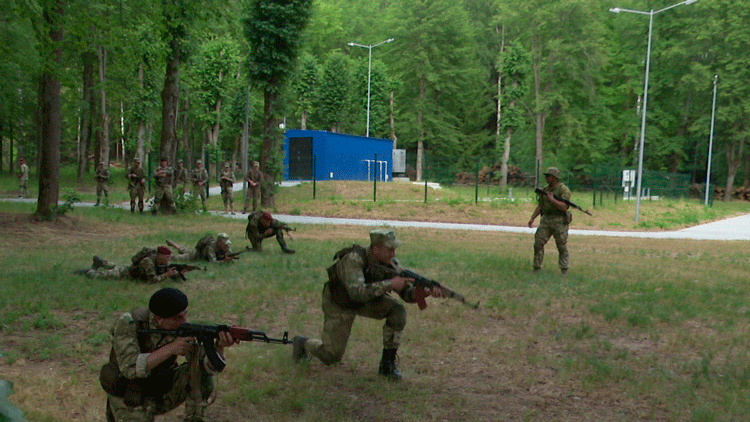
x: 336, y: 156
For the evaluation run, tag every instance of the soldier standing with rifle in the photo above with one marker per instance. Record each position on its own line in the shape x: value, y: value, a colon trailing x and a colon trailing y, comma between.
x: 136, y: 184
x: 102, y: 184
x: 200, y: 177
x: 554, y: 222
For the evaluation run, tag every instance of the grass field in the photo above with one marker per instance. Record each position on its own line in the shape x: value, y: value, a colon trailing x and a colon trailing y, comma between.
x: 640, y: 329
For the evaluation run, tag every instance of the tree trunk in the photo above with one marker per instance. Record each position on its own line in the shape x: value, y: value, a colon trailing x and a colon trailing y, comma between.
x: 267, y: 150
x: 734, y: 159
x: 49, y: 157
x: 86, y: 113
x: 541, y: 118
x: 169, y: 98
x: 420, y: 129
x: 104, y: 143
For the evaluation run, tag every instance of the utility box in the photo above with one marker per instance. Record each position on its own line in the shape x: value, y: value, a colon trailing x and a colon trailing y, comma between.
x: 399, y: 161
x: 336, y: 156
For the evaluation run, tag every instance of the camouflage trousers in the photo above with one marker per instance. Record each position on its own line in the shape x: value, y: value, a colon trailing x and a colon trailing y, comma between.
x: 180, y: 393
x: 23, y: 188
x: 552, y: 226
x: 117, y: 273
x: 227, y: 195
x: 138, y: 193
x: 163, y: 196
x: 102, y: 187
x: 200, y: 191
x: 337, y: 325
x: 253, y: 192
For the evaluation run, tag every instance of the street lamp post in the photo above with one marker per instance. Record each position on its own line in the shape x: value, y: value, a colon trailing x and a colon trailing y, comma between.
x: 650, y: 14
x: 369, y: 72
x: 711, y: 141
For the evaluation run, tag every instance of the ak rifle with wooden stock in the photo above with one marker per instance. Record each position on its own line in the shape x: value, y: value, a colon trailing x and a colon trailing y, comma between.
x: 570, y: 204
x: 206, y: 335
x: 421, y: 283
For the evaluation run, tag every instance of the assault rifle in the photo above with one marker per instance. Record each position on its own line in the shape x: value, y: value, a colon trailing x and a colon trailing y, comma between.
x: 236, y: 255
x: 180, y: 268
x: 421, y: 283
x: 207, y: 334
x: 570, y: 204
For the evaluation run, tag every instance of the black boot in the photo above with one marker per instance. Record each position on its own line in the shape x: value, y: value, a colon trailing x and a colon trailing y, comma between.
x: 298, y: 349
x: 388, y: 366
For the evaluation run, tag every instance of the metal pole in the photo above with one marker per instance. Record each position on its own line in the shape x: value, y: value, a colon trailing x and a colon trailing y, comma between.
x: 643, y: 119
x: 369, y: 72
x: 711, y: 142
x: 313, y: 175
x: 375, y: 179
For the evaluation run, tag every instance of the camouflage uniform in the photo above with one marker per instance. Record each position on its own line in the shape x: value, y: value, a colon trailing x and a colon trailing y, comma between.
x: 180, y: 179
x: 102, y: 184
x: 23, y: 180
x: 227, y: 185
x: 254, y: 178
x: 136, y: 185
x: 163, y: 194
x: 143, y: 269
x: 132, y: 364
x: 554, y: 222
x: 357, y: 288
x: 200, y: 177
x: 255, y: 231
x: 207, y: 249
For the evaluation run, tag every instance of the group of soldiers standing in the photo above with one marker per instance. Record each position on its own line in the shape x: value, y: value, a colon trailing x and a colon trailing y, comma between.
x: 172, y: 181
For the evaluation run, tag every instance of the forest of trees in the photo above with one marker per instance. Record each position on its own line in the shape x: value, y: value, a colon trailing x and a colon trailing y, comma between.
x: 524, y: 82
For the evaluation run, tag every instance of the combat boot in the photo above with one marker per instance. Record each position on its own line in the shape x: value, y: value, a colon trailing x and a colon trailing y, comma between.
x: 284, y: 247
x: 388, y: 366
x: 97, y: 202
x: 101, y: 263
x: 298, y: 348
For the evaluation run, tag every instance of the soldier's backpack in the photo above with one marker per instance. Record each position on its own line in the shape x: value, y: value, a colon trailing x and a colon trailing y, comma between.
x: 203, y: 244
x: 143, y: 253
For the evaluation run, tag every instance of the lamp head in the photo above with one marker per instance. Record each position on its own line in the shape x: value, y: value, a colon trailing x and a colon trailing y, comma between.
x: 616, y: 9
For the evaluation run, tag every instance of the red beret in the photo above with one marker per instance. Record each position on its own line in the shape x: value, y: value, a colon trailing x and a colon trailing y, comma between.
x: 164, y: 250
x: 266, y: 215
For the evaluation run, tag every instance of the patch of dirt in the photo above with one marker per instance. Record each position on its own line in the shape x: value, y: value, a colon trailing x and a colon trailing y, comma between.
x: 17, y: 229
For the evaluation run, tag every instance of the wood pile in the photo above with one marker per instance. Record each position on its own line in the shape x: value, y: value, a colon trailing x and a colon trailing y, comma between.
x: 491, y: 174
x: 742, y: 192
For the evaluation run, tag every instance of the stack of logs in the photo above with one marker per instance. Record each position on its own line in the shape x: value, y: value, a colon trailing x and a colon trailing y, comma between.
x: 742, y: 192
x: 516, y: 177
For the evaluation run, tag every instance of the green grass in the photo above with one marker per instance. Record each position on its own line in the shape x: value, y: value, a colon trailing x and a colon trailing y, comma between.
x: 641, y: 329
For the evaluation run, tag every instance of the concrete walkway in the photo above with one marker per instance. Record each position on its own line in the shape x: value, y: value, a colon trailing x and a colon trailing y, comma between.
x: 737, y: 228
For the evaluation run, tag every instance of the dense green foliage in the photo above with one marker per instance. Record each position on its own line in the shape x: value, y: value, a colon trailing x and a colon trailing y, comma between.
x: 571, y: 75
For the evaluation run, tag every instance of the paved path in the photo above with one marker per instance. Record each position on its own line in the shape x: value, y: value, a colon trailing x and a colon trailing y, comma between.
x: 736, y: 228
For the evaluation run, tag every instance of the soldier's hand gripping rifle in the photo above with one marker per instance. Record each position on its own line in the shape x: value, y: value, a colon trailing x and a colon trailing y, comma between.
x: 181, y: 269
x: 570, y: 204
x: 207, y: 335
x: 421, y: 283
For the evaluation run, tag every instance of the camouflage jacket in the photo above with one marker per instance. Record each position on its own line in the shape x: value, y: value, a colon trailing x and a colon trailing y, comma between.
x: 127, y: 348
x: 164, y: 176
x: 200, y: 176
x: 23, y: 173
x: 135, y: 175
x: 355, y: 278
x: 548, y: 208
x: 254, y: 230
x: 227, y: 178
x: 180, y: 176
x: 102, y: 174
x: 147, y: 270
